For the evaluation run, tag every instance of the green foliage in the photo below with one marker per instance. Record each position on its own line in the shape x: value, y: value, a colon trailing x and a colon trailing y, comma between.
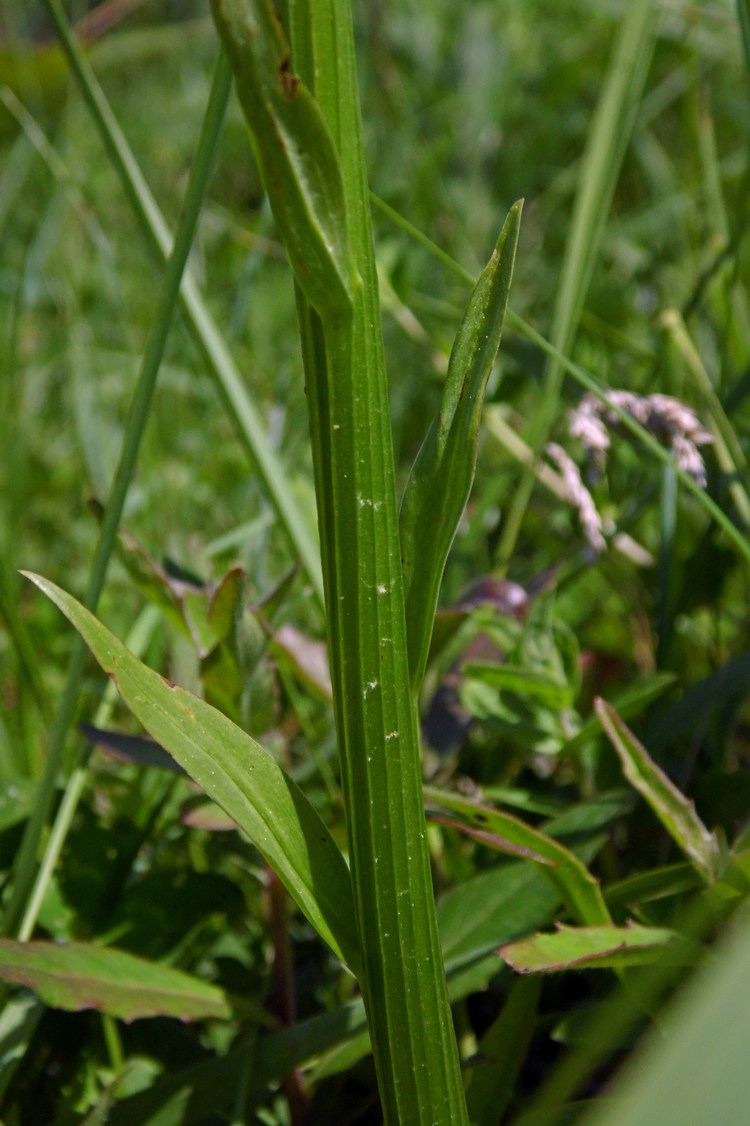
x: 582, y: 715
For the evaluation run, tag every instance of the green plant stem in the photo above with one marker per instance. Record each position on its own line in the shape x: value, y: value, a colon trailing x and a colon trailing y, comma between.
x: 243, y: 413
x: 202, y: 168
x: 294, y: 137
x: 404, y: 986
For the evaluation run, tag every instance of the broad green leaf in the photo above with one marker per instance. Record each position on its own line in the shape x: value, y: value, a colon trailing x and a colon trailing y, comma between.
x: 578, y: 888
x: 236, y: 773
x: 493, y: 907
x: 295, y: 151
x: 676, y: 813
x: 578, y: 948
x: 441, y: 477
x: 77, y: 976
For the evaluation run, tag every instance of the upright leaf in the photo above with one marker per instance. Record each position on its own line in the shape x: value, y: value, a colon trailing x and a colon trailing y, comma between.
x: 441, y: 477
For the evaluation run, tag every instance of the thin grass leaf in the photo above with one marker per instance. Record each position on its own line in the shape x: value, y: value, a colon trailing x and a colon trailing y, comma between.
x: 579, y: 890
x: 244, y: 414
x: 236, y: 773
x: 138, y: 413
x: 743, y: 16
x: 608, y: 138
x: 441, y: 477
x: 676, y: 813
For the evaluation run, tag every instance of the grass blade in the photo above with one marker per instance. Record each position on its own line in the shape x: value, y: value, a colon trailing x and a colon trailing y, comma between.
x: 600, y: 168
x: 134, y: 429
x: 245, y: 416
x: 676, y: 813
x: 441, y: 478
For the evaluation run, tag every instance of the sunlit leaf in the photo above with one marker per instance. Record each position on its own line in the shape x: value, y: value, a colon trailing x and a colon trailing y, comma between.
x: 236, y: 773
x: 570, y: 948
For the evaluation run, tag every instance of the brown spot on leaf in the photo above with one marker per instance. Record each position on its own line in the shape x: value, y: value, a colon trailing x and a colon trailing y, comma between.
x: 289, y: 82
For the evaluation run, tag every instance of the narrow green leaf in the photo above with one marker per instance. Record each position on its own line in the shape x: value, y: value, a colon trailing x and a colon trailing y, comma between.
x: 659, y: 883
x: 579, y: 890
x: 676, y: 813
x: 441, y: 478
x: 295, y: 151
x: 247, y: 418
x: 577, y: 948
x: 77, y: 976
x: 239, y: 775
x: 609, y: 134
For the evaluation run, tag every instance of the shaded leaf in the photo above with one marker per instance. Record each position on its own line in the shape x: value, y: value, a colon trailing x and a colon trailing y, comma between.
x: 130, y: 748
x: 676, y: 813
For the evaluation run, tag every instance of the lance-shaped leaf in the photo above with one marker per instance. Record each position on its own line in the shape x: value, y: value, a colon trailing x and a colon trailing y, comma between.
x: 239, y: 775
x: 579, y: 948
x: 675, y: 811
x: 294, y: 149
x: 76, y: 976
x: 570, y: 877
x: 441, y: 477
